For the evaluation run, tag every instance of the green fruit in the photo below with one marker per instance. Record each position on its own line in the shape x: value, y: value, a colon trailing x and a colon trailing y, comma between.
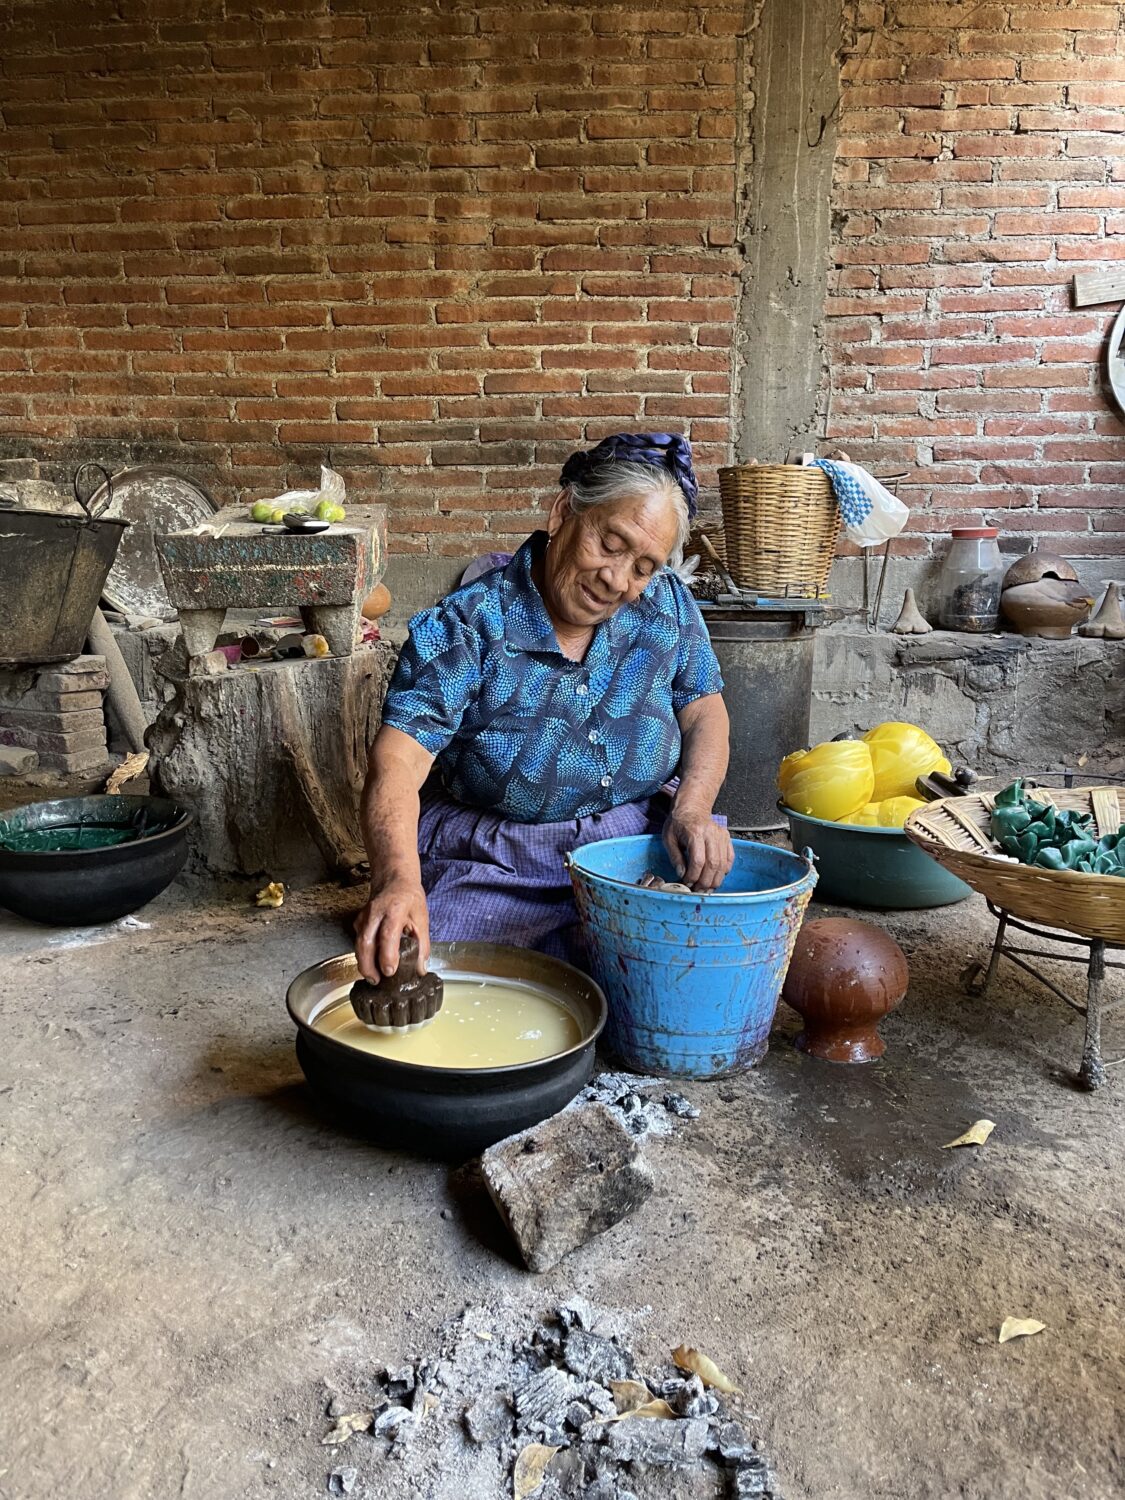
x: 328, y: 510
x: 277, y: 515
x: 261, y: 510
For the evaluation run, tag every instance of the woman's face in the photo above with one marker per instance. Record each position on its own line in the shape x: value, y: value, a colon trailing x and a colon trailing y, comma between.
x: 605, y: 557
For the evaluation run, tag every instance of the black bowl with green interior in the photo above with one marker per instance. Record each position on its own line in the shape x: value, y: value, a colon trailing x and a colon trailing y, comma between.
x: 85, y: 860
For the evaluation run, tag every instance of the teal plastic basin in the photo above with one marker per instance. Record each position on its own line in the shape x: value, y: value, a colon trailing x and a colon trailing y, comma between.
x: 873, y: 867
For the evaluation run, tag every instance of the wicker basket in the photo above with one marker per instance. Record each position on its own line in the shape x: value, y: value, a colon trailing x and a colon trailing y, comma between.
x: 782, y: 524
x: 956, y: 832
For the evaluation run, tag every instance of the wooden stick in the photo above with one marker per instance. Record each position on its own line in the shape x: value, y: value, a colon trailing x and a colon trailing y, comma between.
x: 1092, y: 287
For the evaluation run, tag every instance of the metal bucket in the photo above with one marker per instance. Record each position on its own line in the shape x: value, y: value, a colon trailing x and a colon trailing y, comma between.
x: 692, y: 981
x: 52, y: 571
x: 766, y: 658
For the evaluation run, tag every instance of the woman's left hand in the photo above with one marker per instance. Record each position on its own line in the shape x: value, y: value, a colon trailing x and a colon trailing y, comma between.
x: 700, y: 850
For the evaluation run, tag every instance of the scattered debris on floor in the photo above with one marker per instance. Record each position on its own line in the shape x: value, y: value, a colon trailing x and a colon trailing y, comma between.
x: 565, y: 1180
x: 976, y: 1135
x: 1019, y: 1328
x: 645, y: 1105
x: 553, y: 1410
x: 271, y: 895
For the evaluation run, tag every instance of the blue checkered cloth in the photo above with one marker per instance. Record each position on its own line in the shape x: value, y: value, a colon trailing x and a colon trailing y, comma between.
x: 517, y: 727
x: 853, y: 500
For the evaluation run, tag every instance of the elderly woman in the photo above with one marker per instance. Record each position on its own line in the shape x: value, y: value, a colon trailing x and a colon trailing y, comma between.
x: 546, y: 705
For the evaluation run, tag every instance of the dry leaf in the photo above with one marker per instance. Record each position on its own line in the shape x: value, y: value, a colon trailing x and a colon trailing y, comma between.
x: 346, y: 1427
x: 130, y: 767
x: 655, y: 1406
x: 698, y: 1364
x: 270, y: 895
x: 976, y: 1135
x: 531, y: 1465
x: 629, y: 1394
x: 1019, y: 1328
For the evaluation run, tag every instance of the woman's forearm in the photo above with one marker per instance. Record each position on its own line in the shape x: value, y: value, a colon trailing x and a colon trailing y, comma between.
x: 704, y: 754
x: 397, y: 768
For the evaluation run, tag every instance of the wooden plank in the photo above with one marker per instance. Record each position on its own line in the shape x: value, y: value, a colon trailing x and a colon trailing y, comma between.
x: 1092, y: 287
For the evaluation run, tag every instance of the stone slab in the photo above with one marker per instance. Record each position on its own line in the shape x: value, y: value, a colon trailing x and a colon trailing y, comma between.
x: 51, y: 744
x: 16, y: 761
x: 26, y: 690
x: 81, y: 666
x: 85, y: 722
x: 65, y: 703
x: 561, y: 1183
x: 87, y: 682
x: 1001, y: 704
x: 19, y: 468
x: 234, y: 563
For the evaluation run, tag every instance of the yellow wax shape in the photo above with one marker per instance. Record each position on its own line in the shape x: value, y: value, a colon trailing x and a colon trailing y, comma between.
x: 481, y: 1024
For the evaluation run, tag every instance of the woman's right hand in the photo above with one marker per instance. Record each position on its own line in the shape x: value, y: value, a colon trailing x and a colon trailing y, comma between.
x: 391, y: 909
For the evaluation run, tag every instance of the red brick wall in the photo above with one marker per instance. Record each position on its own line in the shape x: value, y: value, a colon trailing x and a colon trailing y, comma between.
x: 450, y: 241
x: 981, y: 163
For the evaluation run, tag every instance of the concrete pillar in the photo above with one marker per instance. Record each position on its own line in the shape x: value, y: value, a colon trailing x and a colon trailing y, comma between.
x: 786, y: 171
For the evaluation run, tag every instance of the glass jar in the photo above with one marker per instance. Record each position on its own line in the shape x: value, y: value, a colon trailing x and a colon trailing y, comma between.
x: 970, y: 581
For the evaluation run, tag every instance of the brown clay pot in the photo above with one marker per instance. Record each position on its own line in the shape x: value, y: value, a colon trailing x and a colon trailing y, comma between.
x: 844, y: 978
x: 378, y: 601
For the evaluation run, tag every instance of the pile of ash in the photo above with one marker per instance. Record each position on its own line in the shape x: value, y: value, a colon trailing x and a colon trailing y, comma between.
x: 557, y: 1412
x: 646, y: 1106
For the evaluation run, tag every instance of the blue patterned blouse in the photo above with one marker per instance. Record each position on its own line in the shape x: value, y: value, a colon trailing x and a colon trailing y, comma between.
x: 519, y: 728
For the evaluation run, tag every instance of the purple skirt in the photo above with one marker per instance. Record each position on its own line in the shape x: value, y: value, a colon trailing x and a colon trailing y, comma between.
x: 490, y: 879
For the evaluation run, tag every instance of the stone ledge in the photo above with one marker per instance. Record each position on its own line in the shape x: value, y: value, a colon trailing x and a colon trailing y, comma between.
x: 998, y: 703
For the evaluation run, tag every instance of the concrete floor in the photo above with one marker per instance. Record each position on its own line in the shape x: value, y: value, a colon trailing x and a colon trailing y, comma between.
x: 189, y: 1250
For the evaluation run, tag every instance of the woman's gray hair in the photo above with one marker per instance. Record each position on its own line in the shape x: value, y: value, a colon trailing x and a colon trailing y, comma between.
x: 621, y: 480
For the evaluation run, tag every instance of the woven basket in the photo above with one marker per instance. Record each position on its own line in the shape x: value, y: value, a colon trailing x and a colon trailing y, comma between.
x: 782, y: 524
x: 956, y: 832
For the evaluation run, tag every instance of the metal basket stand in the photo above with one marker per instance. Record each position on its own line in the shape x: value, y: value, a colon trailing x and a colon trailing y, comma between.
x: 978, y: 977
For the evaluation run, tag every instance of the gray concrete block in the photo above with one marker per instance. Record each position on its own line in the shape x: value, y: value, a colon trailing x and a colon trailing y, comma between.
x: 81, y: 762
x: 85, y: 722
x: 561, y: 1183
x: 84, y: 682
x: 55, y: 743
x: 19, y: 468
x: 15, y: 761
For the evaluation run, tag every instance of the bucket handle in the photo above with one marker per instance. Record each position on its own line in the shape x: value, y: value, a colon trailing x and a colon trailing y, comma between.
x: 107, y: 485
x: 810, y: 858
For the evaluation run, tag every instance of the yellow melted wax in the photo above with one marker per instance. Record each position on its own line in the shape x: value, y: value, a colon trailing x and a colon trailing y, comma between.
x: 480, y: 1025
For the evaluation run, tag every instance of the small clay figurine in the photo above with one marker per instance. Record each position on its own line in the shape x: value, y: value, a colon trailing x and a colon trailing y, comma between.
x: 910, y: 620
x: 402, y: 1000
x: 1107, y: 624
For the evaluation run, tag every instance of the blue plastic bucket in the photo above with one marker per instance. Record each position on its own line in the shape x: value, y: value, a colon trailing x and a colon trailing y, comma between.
x: 692, y: 981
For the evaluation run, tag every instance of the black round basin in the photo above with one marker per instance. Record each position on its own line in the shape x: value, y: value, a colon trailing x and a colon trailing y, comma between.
x: 453, y: 1113
x: 85, y: 860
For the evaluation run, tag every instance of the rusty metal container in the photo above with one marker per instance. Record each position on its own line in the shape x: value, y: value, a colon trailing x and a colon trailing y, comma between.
x: 52, y: 571
x: 765, y: 651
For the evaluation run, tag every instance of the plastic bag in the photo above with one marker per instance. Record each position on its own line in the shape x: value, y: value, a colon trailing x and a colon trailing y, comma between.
x: 830, y: 781
x: 900, y: 753
x: 871, y: 513
x: 331, y: 489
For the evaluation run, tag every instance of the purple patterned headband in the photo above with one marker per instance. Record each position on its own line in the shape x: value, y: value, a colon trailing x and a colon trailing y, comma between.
x: 660, y: 450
